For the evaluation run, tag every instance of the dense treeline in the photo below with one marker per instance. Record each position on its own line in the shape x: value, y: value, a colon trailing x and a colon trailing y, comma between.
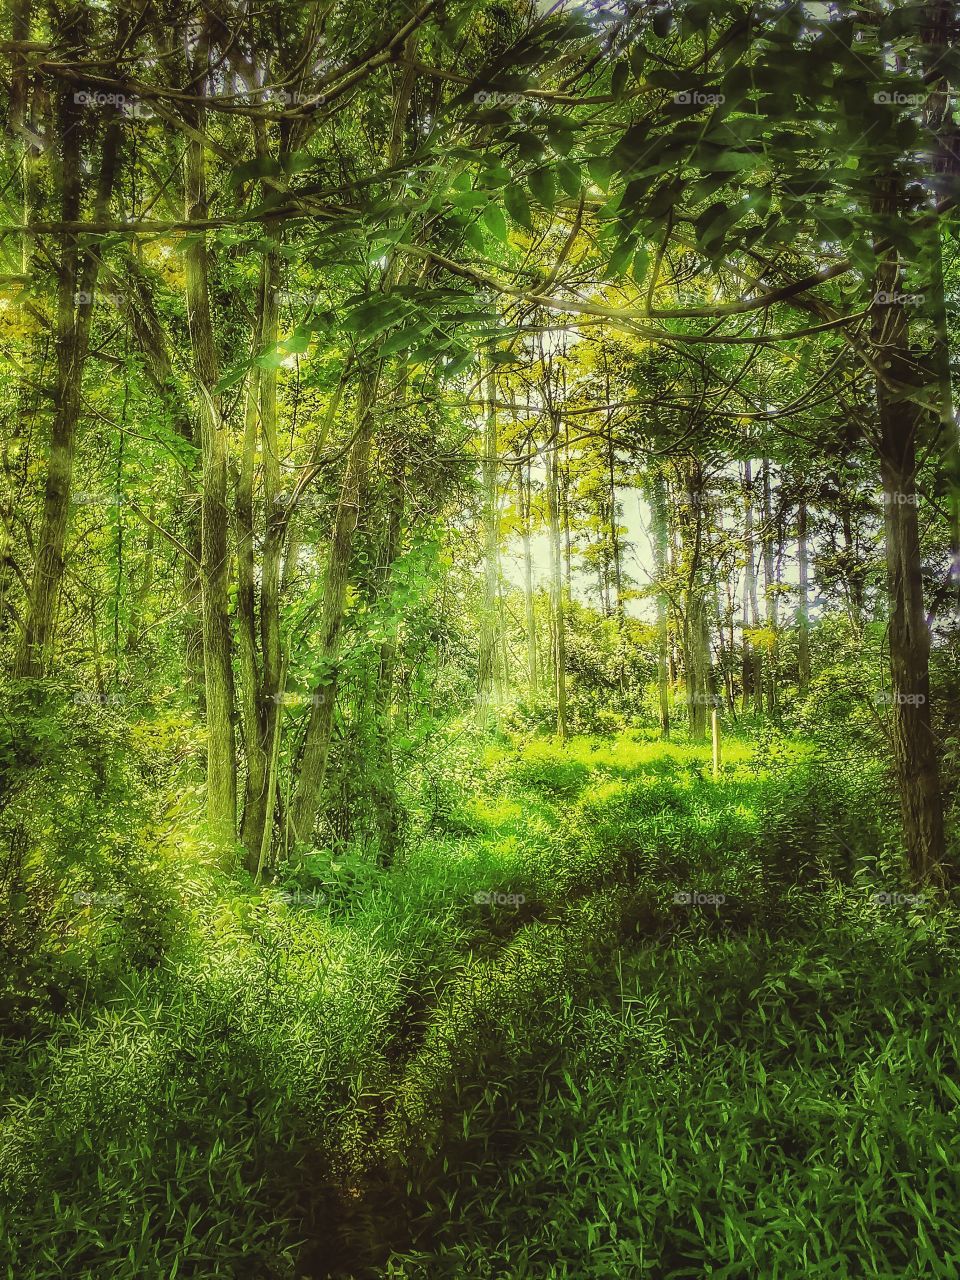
x: 288, y: 271
x: 384, y: 383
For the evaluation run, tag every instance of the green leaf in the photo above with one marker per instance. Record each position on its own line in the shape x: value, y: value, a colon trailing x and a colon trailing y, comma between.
x: 543, y: 184
x: 561, y: 134
x: 641, y: 260
x: 517, y: 205
x: 618, y: 261
x: 600, y: 169
x: 495, y: 222
x: 569, y: 175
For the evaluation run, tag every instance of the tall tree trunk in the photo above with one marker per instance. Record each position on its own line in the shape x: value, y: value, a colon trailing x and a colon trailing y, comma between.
x: 141, y: 314
x: 803, y: 602
x: 750, y: 591
x: 24, y: 155
x: 696, y: 626
x: 524, y: 500
x: 249, y: 692
x: 914, y: 745
x: 488, y: 666
x: 557, y: 578
x: 259, y: 633
x: 770, y: 596
x: 387, y: 808
x: 939, y: 28
x: 305, y: 802
x: 77, y: 287
x: 660, y: 540
x: 214, y: 511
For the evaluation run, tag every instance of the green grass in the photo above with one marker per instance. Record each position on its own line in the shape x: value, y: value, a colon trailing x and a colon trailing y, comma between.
x: 737, y: 1107
x: 344, y: 1060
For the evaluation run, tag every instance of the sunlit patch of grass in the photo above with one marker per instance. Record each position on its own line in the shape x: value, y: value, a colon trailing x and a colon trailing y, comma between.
x: 501, y: 811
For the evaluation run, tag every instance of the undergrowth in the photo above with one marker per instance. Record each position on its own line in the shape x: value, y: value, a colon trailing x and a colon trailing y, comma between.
x: 670, y: 1007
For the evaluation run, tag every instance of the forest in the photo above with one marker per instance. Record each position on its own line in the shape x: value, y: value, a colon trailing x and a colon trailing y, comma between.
x: 479, y: 640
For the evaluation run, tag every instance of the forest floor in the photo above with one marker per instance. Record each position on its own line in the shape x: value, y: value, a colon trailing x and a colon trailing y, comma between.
x: 605, y: 1016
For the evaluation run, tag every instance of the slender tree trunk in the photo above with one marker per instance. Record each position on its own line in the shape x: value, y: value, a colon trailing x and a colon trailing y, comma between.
x: 141, y: 314
x: 660, y: 540
x: 260, y: 633
x: 488, y: 666
x: 803, y: 603
x: 557, y: 579
x: 305, y: 802
x: 77, y: 287
x: 731, y: 584
x: 771, y: 604
x: 524, y: 500
x: 387, y: 808
x: 696, y: 627
x: 252, y: 710
x: 214, y: 511
x: 750, y: 590
x: 24, y: 154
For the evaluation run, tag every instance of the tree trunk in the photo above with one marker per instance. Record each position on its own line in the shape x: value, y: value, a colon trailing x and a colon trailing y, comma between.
x: 914, y: 745
x: 557, y: 579
x: 771, y: 603
x: 387, y: 809
x: 937, y: 116
x: 488, y: 664
x: 696, y: 626
x: 524, y: 500
x: 753, y: 658
x: 259, y: 634
x: 77, y: 287
x: 658, y: 511
x: 214, y: 513
x: 305, y: 802
x: 803, y: 602
x: 141, y: 314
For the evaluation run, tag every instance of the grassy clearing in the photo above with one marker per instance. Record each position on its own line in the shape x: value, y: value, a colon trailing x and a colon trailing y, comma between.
x: 326, y: 1067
